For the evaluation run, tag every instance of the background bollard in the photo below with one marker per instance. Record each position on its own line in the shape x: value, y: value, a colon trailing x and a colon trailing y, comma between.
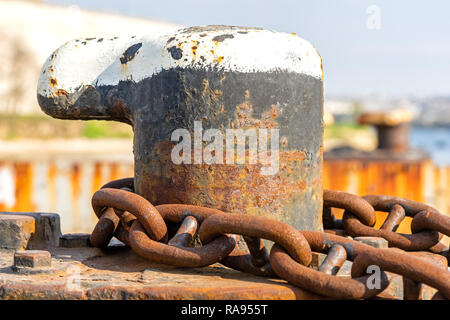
x: 392, y: 128
x: 265, y: 83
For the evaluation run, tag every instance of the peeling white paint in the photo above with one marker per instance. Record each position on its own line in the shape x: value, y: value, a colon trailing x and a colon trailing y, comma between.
x: 97, y: 62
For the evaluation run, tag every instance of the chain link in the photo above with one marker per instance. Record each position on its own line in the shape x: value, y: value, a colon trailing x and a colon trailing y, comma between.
x: 145, y: 228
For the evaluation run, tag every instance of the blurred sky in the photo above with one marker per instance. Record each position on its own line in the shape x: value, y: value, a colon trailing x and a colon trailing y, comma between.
x: 408, y: 55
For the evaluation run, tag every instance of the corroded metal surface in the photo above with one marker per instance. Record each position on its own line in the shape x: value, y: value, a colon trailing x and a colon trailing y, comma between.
x: 322, y: 283
x: 417, y: 241
x: 214, y: 77
x: 334, y: 260
x: 205, y: 255
x: 29, y: 230
x: 419, y: 291
x: 31, y: 261
x: 260, y: 227
x: 125, y: 201
x: 185, y: 233
x: 427, y: 227
x: 350, y: 202
x: 100, y: 276
x: 291, y: 255
x: 410, y: 266
x: 104, y: 278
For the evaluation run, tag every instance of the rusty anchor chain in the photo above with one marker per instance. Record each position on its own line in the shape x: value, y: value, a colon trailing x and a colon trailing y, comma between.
x: 165, y: 234
x: 322, y: 282
x: 427, y: 225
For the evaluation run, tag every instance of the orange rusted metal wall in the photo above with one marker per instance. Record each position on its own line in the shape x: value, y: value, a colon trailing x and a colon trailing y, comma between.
x: 402, y: 179
x: 62, y: 186
x: 419, y: 180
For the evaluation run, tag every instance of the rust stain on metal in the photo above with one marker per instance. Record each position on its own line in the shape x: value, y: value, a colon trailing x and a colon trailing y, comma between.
x: 425, y: 229
x: 352, y: 203
x: 334, y: 260
x: 241, y: 260
x: 51, y: 176
x: 395, y: 217
x: 143, y: 210
x: 185, y: 233
x: 141, y: 279
x: 412, y: 267
x: 61, y: 92
x: 217, y: 185
x: 321, y: 283
x: 158, y: 252
x: 218, y: 59
x: 418, y: 241
x: 24, y: 186
x: 75, y: 183
x: 419, y: 291
x: 104, y: 229
x: 97, y: 180
x: 257, y: 227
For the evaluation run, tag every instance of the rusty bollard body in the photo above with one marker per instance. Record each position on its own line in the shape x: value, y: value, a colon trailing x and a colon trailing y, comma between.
x: 392, y: 128
x: 266, y: 83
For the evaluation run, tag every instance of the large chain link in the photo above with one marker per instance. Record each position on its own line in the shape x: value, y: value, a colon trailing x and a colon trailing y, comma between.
x: 427, y: 226
x: 165, y: 234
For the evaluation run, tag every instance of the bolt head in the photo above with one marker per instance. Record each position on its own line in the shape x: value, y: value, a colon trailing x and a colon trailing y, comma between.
x: 32, y: 259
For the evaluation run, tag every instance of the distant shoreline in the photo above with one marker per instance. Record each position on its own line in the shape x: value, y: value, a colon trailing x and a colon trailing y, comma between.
x: 422, y: 125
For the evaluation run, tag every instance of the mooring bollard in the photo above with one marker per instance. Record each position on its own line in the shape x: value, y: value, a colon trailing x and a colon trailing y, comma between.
x: 225, y: 117
x: 392, y: 128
